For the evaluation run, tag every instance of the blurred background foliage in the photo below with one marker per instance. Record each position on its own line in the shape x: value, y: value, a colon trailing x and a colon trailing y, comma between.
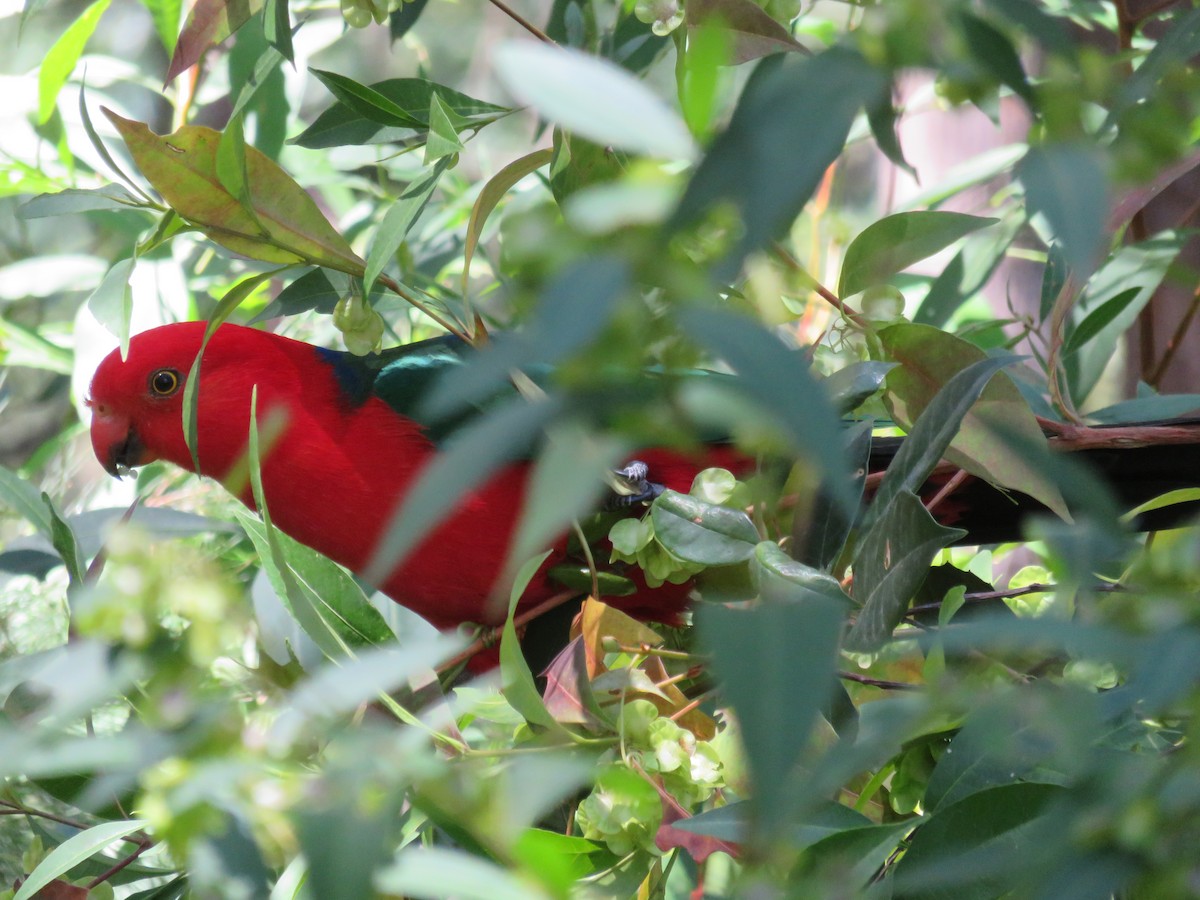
x: 858, y: 208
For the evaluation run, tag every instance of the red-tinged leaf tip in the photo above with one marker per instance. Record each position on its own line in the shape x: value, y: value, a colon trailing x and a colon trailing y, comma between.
x: 209, y: 23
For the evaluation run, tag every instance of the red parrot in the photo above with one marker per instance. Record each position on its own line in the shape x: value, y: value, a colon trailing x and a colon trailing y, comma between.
x: 354, y: 442
x: 350, y: 449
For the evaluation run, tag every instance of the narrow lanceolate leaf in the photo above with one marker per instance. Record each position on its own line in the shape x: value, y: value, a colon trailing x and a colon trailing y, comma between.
x: 896, y: 242
x: 209, y: 23
x: 72, y: 201
x: 398, y: 221
x: 928, y: 359
x: 73, y: 851
x: 1068, y: 185
x: 770, y: 159
x: 60, y: 61
x: 593, y: 98
x: 930, y: 437
x: 776, y: 655
x: 891, y: 563
x: 280, y: 223
x: 499, y: 185
x: 355, y: 120
x: 24, y: 499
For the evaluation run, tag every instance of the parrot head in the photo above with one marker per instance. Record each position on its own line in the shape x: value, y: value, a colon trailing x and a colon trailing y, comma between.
x: 137, y: 402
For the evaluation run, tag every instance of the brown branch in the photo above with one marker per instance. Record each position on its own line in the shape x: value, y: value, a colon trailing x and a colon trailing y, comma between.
x: 113, y: 870
x: 489, y: 636
x: 523, y: 22
x: 879, y: 682
x: 1175, y: 342
x: 827, y: 295
x: 956, y: 481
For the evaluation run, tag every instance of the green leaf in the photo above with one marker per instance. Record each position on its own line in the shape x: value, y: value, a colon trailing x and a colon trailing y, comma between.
x: 72, y: 201
x: 779, y: 380
x: 430, y: 873
x: 73, y: 851
x: 281, y: 223
x: 980, y: 846
x: 892, y: 561
x: 311, y: 291
x: 112, y: 302
x: 23, y: 498
x: 442, y: 140
x: 1068, y: 185
x: 567, y: 483
x: 398, y: 221
x: 340, y: 687
x: 342, y: 124
x: 166, y: 15
x: 1180, y: 41
x: 992, y: 49
x: 593, y: 98
x: 368, y: 102
x: 775, y: 656
x: 1143, y: 265
x: 770, y: 158
x: 883, y: 117
x: 65, y: 544
x: 208, y: 23
x: 495, y: 188
x: 519, y: 689
x: 968, y: 272
x: 277, y: 27
x: 703, y: 533
x: 778, y: 576
x: 929, y: 438
x: 896, y: 242
x: 930, y: 358
x: 60, y: 60
x: 339, y: 601
x: 402, y: 20
x: 851, y: 387
x: 1100, y: 318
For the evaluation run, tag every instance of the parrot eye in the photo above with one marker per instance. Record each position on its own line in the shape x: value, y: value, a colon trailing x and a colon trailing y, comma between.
x: 165, y: 382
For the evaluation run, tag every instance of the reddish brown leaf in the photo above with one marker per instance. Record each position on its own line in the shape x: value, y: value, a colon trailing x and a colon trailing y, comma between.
x: 700, y: 846
x: 209, y: 23
x: 56, y: 890
x: 568, y: 696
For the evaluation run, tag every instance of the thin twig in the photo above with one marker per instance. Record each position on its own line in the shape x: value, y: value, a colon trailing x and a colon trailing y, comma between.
x: 1175, y: 342
x: 955, y: 482
x: 113, y: 870
x: 684, y: 710
x: 489, y: 636
x: 879, y: 682
x: 827, y: 295
x: 523, y: 22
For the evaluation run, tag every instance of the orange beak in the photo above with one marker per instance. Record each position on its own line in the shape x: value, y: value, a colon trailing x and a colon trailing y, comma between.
x: 115, y: 442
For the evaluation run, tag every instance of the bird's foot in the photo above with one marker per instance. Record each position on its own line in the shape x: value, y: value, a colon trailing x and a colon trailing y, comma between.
x: 631, y: 485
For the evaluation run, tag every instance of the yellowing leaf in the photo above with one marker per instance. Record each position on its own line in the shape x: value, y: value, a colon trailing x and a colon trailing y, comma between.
x: 928, y: 358
x: 279, y: 223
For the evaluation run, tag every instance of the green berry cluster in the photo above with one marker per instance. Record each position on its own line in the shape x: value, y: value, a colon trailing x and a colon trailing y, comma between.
x: 361, y: 326
x: 624, y: 810
x: 361, y: 13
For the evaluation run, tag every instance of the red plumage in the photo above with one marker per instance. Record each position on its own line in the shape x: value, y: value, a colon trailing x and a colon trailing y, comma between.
x: 338, y: 468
